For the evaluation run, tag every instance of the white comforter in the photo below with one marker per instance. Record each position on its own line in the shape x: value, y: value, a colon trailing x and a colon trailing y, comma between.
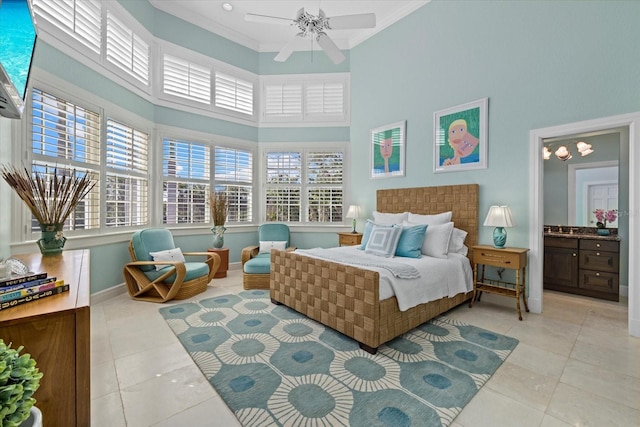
x: 439, y: 277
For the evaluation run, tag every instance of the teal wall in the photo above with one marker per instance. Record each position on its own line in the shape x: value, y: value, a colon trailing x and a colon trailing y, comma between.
x: 539, y: 63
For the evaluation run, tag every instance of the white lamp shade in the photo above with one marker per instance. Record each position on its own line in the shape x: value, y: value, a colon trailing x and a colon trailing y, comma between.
x: 353, y: 212
x: 499, y: 216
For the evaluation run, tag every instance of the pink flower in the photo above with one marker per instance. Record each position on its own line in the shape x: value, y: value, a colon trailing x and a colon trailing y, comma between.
x: 603, y: 216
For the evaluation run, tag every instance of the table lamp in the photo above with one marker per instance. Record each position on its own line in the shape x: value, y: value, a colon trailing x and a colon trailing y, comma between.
x: 354, y: 212
x: 499, y: 217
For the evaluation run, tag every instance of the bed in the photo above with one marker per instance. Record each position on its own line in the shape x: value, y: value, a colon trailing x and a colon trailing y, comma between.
x: 346, y: 298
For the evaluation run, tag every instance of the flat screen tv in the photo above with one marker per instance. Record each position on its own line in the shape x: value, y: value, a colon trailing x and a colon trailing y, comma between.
x: 17, y: 44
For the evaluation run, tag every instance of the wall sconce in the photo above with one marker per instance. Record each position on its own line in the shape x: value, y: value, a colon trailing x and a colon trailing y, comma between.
x: 354, y: 212
x: 563, y: 153
x: 499, y: 217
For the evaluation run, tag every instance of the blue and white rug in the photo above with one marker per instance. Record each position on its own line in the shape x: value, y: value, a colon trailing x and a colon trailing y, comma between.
x: 273, y: 366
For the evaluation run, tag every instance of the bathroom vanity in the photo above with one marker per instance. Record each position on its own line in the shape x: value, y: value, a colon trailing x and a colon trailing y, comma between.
x: 583, y: 264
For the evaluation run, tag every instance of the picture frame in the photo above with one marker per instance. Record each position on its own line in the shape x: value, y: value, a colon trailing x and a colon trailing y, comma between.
x: 388, y: 148
x: 460, y: 137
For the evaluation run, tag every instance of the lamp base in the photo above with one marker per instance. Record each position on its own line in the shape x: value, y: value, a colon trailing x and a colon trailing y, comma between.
x: 354, y: 226
x: 499, y: 237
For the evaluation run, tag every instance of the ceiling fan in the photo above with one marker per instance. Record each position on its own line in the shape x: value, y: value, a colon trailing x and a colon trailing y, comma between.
x: 315, y: 26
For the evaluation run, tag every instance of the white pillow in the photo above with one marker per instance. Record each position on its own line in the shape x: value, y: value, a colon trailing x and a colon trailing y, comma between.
x: 389, y: 218
x: 267, y: 245
x: 436, y: 240
x: 436, y: 219
x: 383, y: 241
x: 456, y: 243
x: 174, y: 255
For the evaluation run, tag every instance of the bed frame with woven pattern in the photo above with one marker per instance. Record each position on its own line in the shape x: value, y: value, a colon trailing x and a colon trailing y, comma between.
x: 346, y: 298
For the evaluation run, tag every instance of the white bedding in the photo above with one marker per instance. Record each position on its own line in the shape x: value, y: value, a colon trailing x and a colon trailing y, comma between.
x: 439, y: 277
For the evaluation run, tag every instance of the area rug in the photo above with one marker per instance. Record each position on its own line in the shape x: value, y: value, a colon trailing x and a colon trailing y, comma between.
x: 274, y: 366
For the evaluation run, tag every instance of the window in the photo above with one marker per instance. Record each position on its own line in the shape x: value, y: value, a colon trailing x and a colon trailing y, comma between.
x: 283, y: 100
x: 127, y: 182
x: 186, y: 80
x: 234, y: 94
x: 80, y: 19
x: 325, y: 98
x: 185, y: 187
x: 304, y: 186
x: 126, y: 50
x: 66, y: 140
x: 234, y: 176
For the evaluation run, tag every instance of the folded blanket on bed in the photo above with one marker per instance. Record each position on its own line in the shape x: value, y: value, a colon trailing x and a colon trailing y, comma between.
x: 402, y: 271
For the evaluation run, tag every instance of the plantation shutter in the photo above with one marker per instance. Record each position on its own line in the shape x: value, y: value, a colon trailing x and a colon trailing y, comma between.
x: 324, y: 98
x: 283, y: 100
x: 186, y: 80
x: 186, y: 171
x: 233, y: 93
x: 81, y: 19
x: 325, y: 186
x: 283, y: 200
x: 234, y: 176
x: 127, y: 202
x: 126, y: 50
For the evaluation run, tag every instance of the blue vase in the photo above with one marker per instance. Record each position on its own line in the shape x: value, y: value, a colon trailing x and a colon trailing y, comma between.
x: 218, y: 236
x: 603, y: 231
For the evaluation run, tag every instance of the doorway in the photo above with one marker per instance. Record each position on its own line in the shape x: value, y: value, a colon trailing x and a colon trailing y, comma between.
x: 631, y: 125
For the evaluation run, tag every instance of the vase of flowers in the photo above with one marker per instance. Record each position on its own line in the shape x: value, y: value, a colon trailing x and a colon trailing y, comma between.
x: 51, y: 198
x: 602, y: 216
x: 218, y: 204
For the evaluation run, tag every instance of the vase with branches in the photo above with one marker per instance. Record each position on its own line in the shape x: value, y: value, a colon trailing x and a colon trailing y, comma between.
x: 219, y: 204
x: 51, y: 198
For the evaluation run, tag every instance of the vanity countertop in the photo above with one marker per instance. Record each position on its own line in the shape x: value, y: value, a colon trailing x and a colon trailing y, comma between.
x: 581, y: 236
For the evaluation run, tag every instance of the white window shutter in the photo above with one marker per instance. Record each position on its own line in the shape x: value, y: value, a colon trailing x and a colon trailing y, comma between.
x: 186, y: 80
x: 233, y: 94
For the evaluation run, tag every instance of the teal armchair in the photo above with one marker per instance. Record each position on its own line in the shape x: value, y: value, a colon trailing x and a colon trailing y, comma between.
x: 172, y: 278
x: 256, y: 260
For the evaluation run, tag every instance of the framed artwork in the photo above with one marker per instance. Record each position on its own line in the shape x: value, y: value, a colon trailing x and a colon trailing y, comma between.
x: 460, y: 137
x: 388, y: 150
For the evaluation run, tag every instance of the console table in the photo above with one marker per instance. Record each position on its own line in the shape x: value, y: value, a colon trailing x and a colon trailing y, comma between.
x: 55, y: 331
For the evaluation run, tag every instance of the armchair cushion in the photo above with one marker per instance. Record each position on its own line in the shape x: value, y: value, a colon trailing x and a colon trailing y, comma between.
x: 194, y: 271
x: 260, y: 264
x: 273, y: 233
x: 168, y: 255
x: 151, y: 240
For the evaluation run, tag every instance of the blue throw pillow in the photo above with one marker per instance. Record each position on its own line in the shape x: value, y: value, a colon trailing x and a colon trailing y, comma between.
x: 366, y: 233
x: 411, y: 239
x: 383, y: 241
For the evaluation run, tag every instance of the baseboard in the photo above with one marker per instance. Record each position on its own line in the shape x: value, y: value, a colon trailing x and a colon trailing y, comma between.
x: 107, y: 294
x: 623, y: 291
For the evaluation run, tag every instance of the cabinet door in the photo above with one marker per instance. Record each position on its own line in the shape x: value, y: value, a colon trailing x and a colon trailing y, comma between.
x: 560, y: 267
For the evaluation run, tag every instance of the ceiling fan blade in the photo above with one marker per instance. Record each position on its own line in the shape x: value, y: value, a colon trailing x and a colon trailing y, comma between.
x: 346, y: 22
x: 252, y: 17
x: 287, y: 50
x: 330, y: 48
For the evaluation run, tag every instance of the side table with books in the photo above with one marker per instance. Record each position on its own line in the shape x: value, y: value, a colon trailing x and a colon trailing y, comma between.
x: 55, y: 330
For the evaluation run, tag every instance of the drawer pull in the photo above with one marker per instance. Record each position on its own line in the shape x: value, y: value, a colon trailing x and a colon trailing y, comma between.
x: 597, y: 274
x: 597, y: 245
x: 574, y: 254
x: 598, y: 253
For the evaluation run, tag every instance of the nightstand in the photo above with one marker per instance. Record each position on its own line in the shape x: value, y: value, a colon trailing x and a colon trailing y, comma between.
x: 224, y: 261
x: 349, y: 239
x: 511, y: 258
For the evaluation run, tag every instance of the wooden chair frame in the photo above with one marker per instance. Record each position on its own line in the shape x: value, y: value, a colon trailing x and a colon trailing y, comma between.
x: 140, y: 287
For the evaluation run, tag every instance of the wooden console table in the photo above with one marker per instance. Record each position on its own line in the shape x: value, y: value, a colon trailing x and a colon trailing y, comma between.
x: 56, y: 332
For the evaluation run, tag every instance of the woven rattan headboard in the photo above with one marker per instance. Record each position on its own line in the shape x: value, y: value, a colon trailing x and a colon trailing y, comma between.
x: 461, y: 200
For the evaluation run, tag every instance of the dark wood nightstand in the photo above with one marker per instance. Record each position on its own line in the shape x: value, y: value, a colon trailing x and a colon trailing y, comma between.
x: 512, y: 258
x: 349, y: 239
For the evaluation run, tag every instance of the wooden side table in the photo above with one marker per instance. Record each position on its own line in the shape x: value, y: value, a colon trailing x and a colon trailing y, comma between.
x: 511, y: 258
x: 349, y: 239
x: 224, y: 261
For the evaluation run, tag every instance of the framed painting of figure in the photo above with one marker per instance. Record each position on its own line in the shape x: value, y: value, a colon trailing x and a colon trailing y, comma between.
x: 460, y: 137
x: 388, y: 150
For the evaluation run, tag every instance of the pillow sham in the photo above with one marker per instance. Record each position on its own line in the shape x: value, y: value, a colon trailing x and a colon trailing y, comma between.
x: 382, y: 218
x: 411, y: 240
x: 267, y: 245
x: 366, y: 233
x: 436, y: 239
x: 456, y: 243
x: 436, y: 219
x: 383, y: 240
x: 167, y: 255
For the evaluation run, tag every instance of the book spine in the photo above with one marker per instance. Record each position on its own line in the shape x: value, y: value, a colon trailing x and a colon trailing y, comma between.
x: 17, y: 280
x: 26, y: 285
x: 31, y: 290
x: 34, y: 297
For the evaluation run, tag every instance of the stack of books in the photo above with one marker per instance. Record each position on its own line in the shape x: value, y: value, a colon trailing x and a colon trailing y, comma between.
x: 16, y: 290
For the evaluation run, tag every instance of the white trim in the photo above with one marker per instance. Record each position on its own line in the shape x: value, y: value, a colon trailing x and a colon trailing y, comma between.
x: 536, y: 205
x: 571, y: 184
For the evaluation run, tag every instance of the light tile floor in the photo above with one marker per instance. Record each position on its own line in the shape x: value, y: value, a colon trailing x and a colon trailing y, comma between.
x: 575, y: 366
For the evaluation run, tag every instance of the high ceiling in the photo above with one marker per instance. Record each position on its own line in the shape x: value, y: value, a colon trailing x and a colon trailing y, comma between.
x: 264, y: 37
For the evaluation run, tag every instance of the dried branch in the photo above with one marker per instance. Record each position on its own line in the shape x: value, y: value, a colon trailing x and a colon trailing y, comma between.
x: 218, y: 204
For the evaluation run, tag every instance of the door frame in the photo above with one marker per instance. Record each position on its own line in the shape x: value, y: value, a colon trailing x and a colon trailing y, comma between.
x: 536, y: 205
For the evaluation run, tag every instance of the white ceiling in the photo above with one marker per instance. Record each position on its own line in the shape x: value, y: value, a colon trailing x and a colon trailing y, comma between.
x: 263, y: 37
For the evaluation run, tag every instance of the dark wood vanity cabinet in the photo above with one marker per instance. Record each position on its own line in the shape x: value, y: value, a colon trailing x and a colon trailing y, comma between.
x: 560, y: 263
x: 582, y: 266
